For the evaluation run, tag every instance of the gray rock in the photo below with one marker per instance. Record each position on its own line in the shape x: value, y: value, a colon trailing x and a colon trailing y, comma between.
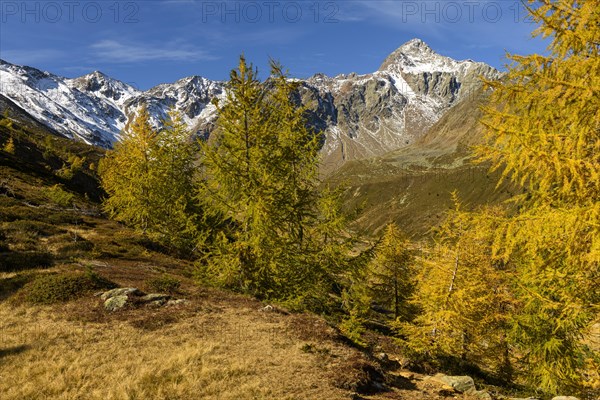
x: 176, y: 302
x: 462, y: 384
x: 565, y: 398
x: 523, y: 398
x: 483, y: 395
x: 120, y: 292
x: 116, y: 302
x: 155, y: 297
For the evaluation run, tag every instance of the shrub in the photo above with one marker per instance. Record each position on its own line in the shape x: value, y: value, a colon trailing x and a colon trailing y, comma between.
x: 8, y: 286
x: 20, y: 260
x: 33, y: 227
x: 55, y: 288
x: 74, y: 249
x: 165, y: 284
x: 59, y: 196
x: 9, y: 146
x: 3, y: 244
x: 353, y: 329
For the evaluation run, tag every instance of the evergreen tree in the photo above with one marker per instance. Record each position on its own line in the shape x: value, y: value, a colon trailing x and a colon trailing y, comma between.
x: 261, y: 176
x: 125, y: 174
x: 544, y: 130
x: 178, y: 219
x: 9, y: 146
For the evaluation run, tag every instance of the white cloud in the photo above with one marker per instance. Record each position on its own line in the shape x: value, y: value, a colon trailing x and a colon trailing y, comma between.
x: 112, y: 50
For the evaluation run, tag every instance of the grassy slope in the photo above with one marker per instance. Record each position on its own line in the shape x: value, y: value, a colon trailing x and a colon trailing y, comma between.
x: 412, y: 186
x: 217, y: 345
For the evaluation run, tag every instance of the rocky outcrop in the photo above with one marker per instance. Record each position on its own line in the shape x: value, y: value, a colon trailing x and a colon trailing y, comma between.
x: 117, y: 299
x: 461, y: 384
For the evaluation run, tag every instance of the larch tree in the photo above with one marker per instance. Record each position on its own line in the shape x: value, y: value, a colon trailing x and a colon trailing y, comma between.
x: 125, y: 174
x: 463, y: 296
x: 260, y: 174
x: 179, y: 220
x: 543, y: 125
x: 149, y: 179
x: 390, y: 273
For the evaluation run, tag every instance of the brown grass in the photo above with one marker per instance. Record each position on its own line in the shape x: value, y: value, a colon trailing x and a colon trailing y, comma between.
x: 230, y: 354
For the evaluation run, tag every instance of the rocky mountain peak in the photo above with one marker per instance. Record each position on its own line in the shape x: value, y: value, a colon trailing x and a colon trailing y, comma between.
x: 415, y: 46
x: 415, y: 56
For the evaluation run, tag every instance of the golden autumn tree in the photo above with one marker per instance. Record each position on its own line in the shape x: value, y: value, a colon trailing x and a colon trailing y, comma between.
x: 463, y: 295
x: 543, y: 125
x: 390, y: 273
x: 149, y: 176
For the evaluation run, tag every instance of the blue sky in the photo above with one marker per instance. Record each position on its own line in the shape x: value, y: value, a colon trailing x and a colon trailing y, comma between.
x: 145, y: 43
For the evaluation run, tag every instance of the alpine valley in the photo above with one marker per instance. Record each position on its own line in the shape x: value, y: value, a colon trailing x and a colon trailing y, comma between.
x: 381, y: 260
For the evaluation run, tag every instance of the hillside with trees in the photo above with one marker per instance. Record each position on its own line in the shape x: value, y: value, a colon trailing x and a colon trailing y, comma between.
x: 226, y: 268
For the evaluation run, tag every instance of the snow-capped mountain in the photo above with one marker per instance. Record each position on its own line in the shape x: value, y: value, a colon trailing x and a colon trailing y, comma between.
x: 362, y: 115
x: 391, y: 108
x: 95, y: 108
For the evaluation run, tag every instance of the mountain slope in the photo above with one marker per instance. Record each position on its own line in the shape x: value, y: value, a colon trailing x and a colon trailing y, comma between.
x: 362, y: 115
x: 412, y: 186
x: 211, y: 344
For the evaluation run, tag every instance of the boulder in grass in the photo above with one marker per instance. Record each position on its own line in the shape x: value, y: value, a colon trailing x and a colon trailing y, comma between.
x: 120, y: 292
x: 155, y: 297
x: 461, y: 384
x: 116, y: 302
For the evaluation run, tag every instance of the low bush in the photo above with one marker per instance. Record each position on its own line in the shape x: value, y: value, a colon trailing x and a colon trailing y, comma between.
x: 33, y: 227
x: 20, y: 260
x: 55, y: 288
x: 8, y: 286
x: 74, y: 249
x: 3, y: 244
x: 163, y: 284
x: 16, y: 213
x: 59, y: 196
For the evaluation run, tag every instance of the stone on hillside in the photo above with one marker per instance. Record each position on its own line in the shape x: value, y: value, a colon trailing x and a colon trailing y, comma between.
x: 382, y: 357
x: 462, y: 384
x: 116, y: 302
x: 565, y: 398
x: 523, y: 398
x: 483, y: 395
x: 116, y: 299
x: 120, y: 292
x: 176, y: 302
x: 154, y: 297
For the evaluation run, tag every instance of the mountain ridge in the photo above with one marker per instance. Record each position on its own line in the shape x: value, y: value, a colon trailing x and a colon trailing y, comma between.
x: 362, y: 115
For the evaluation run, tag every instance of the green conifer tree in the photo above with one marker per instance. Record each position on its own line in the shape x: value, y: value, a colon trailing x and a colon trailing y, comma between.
x: 125, y: 174
x: 9, y: 146
x: 463, y: 296
x: 391, y: 274
x: 260, y: 173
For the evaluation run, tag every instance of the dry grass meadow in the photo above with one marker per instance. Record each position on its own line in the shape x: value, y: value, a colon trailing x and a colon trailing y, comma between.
x: 191, y: 351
